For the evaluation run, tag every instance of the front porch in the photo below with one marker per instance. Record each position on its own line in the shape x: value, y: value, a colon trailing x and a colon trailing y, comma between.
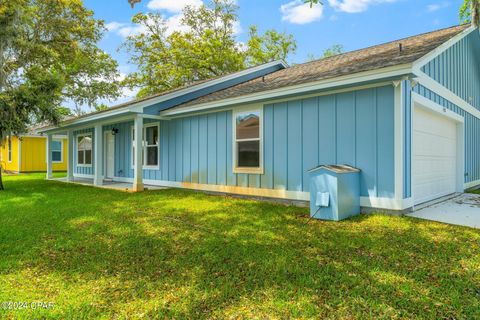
x: 114, y: 153
x: 107, y: 184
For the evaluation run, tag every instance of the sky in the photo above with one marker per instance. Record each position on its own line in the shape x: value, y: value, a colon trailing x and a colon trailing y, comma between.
x: 355, y: 24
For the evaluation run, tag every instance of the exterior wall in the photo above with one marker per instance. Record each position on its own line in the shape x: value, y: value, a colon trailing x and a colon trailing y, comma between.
x: 458, y: 69
x: 13, y: 165
x: 472, y: 134
x: 33, y: 156
x: 355, y: 128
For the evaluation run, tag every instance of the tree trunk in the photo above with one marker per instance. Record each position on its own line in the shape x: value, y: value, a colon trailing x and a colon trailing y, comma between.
x: 475, y: 13
x: 1, y: 179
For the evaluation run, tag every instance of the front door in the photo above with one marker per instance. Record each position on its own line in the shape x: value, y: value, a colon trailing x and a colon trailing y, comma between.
x: 109, y: 155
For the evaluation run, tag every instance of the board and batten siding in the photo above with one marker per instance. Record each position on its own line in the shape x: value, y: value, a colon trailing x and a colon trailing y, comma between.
x: 472, y: 135
x: 355, y: 128
x: 458, y: 69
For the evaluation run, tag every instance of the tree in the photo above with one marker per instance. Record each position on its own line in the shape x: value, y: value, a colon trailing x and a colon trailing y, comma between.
x: 206, y: 47
x: 469, y: 12
x: 334, y: 50
x: 49, y: 53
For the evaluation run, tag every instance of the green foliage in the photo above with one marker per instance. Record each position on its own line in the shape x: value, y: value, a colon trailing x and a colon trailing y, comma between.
x: 466, y: 13
x: 334, y: 50
x: 178, y: 254
x: 206, y: 48
x: 49, y: 54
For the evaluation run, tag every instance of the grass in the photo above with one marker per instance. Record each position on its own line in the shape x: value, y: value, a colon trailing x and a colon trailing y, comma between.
x: 99, y: 253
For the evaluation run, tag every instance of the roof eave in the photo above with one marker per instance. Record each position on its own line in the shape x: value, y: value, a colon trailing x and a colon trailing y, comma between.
x: 331, y: 83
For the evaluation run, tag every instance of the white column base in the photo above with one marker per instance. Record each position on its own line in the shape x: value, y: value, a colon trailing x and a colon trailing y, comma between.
x: 138, y: 187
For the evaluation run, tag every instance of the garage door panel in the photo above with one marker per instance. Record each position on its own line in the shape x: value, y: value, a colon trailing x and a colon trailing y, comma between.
x: 434, y: 156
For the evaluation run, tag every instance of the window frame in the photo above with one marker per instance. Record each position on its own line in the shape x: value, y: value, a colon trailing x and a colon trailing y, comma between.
x: 239, y: 111
x: 145, y: 147
x: 9, y: 149
x: 61, y: 151
x: 83, y: 165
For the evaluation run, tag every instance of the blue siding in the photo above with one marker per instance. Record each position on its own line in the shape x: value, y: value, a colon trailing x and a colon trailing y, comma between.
x: 355, y: 127
x: 458, y: 68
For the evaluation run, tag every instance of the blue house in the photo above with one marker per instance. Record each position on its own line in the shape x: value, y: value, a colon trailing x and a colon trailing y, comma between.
x: 406, y: 113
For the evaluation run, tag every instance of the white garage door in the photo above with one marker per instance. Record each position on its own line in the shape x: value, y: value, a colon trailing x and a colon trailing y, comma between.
x: 434, y: 156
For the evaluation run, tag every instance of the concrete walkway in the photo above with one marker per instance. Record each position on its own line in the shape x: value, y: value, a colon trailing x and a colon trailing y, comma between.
x: 462, y: 210
x: 115, y: 185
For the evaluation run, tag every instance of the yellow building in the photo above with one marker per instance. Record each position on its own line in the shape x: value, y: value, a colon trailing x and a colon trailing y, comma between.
x: 27, y: 153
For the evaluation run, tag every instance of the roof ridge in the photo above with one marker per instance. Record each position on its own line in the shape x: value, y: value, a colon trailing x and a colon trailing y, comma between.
x: 381, y: 44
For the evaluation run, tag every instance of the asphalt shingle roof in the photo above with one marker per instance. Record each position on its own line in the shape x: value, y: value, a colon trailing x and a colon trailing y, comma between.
x: 372, y: 58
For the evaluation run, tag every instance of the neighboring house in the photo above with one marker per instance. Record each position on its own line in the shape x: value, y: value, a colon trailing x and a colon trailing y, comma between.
x: 26, y: 153
x: 406, y: 113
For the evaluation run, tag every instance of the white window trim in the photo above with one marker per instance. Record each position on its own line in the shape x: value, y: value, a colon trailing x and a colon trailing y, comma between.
x: 61, y: 151
x: 90, y: 134
x: 144, y: 147
x: 9, y: 149
x: 251, y: 108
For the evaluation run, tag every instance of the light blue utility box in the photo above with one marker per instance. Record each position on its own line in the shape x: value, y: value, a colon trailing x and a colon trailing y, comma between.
x: 334, y: 192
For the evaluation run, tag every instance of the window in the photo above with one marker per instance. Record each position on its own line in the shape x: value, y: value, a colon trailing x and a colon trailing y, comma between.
x: 150, y: 146
x: 248, y: 141
x: 84, y: 150
x: 57, y: 151
x: 9, y: 149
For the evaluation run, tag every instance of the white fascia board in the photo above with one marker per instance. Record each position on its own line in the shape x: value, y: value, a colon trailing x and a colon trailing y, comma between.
x: 445, y: 93
x: 417, y: 65
x: 389, y: 72
x: 137, y: 107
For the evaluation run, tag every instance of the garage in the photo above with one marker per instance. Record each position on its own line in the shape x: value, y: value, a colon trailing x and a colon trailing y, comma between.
x: 435, y: 161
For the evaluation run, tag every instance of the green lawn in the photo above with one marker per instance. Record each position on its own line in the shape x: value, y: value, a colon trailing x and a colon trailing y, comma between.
x: 99, y: 253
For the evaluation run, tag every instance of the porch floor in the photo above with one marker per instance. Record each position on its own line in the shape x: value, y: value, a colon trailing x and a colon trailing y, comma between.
x: 108, y: 184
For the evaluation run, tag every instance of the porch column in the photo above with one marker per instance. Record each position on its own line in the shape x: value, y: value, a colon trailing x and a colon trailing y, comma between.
x: 70, y: 166
x: 98, y: 155
x: 138, y: 167
x: 49, y: 156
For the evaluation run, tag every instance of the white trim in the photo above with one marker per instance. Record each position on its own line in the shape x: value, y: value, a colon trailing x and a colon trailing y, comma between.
x: 431, y: 105
x: 76, y: 150
x: 417, y: 65
x: 137, y: 107
x: 236, y: 169
x: 19, y: 155
x: 144, y: 146
x: 445, y: 93
x: 386, y: 203
x: 399, y: 140
x: 81, y: 175
x: 471, y: 184
x: 9, y: 149
x: 61, y: 150
x: 286, y: 99
x: 418, y: 101
x: 105, y: 156
x: 389, y: 72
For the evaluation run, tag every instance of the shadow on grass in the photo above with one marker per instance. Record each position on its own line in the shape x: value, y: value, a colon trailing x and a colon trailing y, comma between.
x: 183, y: 254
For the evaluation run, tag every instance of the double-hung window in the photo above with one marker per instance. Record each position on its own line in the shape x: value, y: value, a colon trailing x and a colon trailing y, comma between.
x: 57, y: 151
x: 9, y: 149
x: 150, y: 145
x: 248, y: 144
x: 84, y: 150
